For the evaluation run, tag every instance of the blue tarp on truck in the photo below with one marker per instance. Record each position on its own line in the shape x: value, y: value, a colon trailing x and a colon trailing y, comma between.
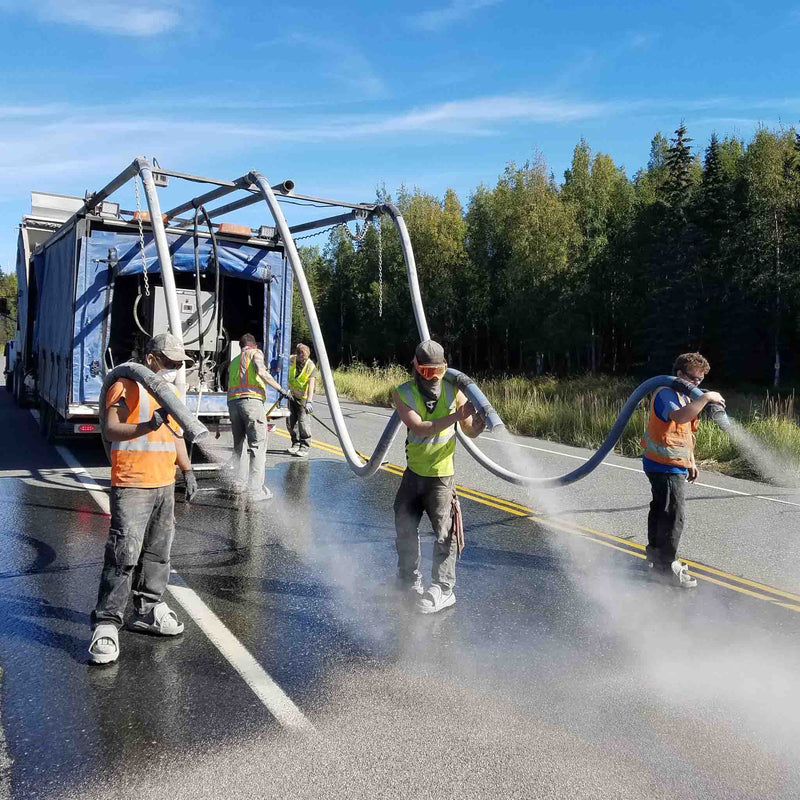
x: 75, y: 280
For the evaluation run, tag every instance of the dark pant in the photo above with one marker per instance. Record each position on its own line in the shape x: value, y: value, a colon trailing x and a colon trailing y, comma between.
x: 666, y: 518
x: 434, y: 496
x: 137, y: 552
x: 298, y: 423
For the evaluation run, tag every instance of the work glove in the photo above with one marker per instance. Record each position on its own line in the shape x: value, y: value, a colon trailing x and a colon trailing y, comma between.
x: 191, y: 485
x: 285, y: 394
x: 310, y: 407
x: 158, y: 419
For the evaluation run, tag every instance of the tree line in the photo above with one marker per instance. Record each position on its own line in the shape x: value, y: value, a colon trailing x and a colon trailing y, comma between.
x: 601, y: 272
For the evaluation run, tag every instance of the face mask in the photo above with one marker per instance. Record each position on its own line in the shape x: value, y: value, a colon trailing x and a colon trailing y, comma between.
x: 430, y: 390
x: 169, y: 375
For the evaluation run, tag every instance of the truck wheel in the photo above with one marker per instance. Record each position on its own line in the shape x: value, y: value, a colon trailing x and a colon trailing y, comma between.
x: 9, y: 381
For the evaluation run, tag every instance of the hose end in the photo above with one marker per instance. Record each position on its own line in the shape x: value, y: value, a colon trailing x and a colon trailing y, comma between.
x: 719, y: 415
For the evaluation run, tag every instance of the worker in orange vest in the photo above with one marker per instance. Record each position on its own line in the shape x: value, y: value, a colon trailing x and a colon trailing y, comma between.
x: 668, y: 462
x: 145, y: 446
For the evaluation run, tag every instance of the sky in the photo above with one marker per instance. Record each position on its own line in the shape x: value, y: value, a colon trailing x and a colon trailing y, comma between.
x: 345, y: 98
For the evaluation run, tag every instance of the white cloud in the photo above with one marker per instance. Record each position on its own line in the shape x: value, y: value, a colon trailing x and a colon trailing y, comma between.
x: 438, y: 18
x: 139, y: 19
x: 344, y: 64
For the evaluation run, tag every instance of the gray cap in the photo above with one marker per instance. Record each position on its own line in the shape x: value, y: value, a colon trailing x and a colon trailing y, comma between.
x: 429, y: 352
x: 168, y: 345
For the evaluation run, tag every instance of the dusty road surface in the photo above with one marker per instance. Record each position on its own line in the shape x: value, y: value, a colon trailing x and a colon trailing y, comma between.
x: 564, y: 669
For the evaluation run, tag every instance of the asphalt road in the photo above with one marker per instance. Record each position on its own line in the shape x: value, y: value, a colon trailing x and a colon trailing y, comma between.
x: 564, y: 669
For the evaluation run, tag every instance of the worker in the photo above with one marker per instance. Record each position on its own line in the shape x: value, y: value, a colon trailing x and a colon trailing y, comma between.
x: 247, y: 393
x: 668, y: 462
x: 302, y: 379
x: 430, y: 408
x: 145, y: 446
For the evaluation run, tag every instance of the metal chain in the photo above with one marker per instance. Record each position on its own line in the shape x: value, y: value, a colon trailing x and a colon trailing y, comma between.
x: 380, y: 266
x: 141, y: 236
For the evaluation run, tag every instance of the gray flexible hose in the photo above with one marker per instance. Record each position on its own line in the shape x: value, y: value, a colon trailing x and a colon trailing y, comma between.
x: 642, y: 390
x: 193, y: 429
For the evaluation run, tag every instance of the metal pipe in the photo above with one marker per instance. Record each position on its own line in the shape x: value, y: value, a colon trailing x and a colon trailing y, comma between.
x: 284, y: 187
x: 97, y: 197
x: 356, y: 463
x: 322, y: 223
x: 164, y: 259
x: 202, y: 199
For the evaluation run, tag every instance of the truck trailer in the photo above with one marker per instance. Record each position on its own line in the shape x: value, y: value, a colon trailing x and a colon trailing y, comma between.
x: 93, y: 289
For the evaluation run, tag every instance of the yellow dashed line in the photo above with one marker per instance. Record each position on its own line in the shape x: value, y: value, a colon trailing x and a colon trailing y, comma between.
x: 635, y: 549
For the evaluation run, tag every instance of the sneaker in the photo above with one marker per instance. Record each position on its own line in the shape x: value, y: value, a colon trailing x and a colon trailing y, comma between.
x: 260, y: 496
x: 161, y: 620
x: 292, y: 450
x: 681, y: 575
x: 435, y: 600
x: 302, y: 452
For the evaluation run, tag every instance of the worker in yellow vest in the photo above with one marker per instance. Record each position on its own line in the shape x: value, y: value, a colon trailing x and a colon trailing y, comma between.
x: 248, y: 379
x: 302, y: 379
x: 145, y: 446
x: 668, y: 462
x: 430, y: 408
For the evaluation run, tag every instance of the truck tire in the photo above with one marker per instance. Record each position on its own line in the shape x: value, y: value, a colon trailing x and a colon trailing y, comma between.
x: 47, y: 422
x: 9, y: 381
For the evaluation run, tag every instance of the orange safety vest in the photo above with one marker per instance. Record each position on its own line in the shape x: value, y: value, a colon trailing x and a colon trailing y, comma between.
x: 243, y: 380
x: 148, y: 461
x: 669, y: 443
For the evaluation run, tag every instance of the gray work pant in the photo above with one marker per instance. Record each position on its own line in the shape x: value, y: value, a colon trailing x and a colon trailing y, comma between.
x: 666, y: 517
x: 249, y: 422
x: 137, y: 552
x: 298, y: 423
x: 434, y: 496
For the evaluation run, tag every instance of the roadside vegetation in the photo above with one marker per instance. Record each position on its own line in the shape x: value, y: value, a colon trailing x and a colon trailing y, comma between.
x: 580, y: 411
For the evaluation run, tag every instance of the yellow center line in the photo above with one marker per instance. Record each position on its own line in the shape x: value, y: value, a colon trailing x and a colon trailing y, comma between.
x: 635, y: 549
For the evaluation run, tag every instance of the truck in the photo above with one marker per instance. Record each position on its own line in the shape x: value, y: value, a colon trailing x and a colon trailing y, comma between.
x: 96, y: 281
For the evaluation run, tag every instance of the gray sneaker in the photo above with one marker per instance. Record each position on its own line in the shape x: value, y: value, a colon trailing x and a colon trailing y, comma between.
x: 302, y: 451
x: 292, y: 450
x: 435, y: 599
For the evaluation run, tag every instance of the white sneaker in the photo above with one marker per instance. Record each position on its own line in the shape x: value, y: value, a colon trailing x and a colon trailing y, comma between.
x: 682, y: 576
x: 259, y: 495
x: 292, y: 451
x: 435, y: 600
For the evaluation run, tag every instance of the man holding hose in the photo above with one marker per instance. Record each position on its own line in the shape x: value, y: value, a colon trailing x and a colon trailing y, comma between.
x: 145, y: 446
x: 430, y: 408
x: 668, y: 462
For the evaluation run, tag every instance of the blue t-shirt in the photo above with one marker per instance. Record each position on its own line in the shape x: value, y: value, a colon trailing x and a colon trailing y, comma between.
x: 666, y: 401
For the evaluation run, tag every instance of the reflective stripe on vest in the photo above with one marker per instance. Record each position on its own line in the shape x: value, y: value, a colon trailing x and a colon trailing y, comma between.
x: 670, y: 443
x: 430, y: 456
x: 243, y: 380
x: 298, y: 383
x: 147, y: 461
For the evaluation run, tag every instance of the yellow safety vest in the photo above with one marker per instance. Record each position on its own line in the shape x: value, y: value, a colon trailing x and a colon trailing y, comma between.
x: 298, y: 382
x: 430, y: 456
x: 243, y: 380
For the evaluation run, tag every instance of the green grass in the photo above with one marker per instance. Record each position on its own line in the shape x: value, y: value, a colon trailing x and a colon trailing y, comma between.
x: 580, y: 411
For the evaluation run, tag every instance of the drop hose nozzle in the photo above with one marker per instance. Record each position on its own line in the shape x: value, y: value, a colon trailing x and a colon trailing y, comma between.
x: 719, y: 415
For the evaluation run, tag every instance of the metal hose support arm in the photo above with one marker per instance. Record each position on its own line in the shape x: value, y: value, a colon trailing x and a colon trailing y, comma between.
x: 354, y: 461
x: 642, y: 390
x: 193, y: 429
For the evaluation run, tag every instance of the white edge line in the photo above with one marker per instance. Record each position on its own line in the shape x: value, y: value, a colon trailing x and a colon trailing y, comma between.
x: 253, y: 674
x: 237, y: 655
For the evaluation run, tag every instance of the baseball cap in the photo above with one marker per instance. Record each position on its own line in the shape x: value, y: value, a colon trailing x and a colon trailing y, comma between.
x: 429, y: 352
x: 169, y: 345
